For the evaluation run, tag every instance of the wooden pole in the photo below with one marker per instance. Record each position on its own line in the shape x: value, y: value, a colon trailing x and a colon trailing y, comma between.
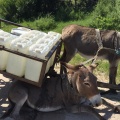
x: 106, y: 85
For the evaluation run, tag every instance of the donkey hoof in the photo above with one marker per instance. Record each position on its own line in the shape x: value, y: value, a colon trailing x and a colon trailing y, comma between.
x: 117, y: 109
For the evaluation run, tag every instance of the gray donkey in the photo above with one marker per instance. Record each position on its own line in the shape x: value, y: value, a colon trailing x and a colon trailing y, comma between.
x: 75, y: 91
x: 86, y: 41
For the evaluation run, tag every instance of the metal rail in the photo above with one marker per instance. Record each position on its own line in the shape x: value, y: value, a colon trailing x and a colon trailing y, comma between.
x: 56, y: 47
x: 12, y: 23
x: 47, y: 57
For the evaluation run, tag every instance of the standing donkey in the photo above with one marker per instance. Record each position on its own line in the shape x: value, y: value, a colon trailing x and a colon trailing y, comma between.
x: 86, y: 41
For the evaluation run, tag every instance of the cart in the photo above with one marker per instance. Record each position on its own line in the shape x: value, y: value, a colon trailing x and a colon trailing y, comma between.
x: 55, y: 49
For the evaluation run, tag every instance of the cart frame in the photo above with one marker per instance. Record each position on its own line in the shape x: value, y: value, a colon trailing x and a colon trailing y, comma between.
x: 56, y: 47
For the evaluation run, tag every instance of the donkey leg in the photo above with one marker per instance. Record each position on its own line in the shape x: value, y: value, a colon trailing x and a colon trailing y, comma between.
x: 112, y: 74
x: 18, y: 106
x: 89, y: 109
x: 68, y: 54
x: 85, y: 108
x: 113, y: 65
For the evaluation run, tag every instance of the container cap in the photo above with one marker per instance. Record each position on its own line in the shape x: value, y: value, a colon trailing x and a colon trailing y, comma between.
x: 39, y: 50
x: 33, y: 35
x: 54, y: 34
x: 21, y: 43
x: 47, y: 42
x: 19, y: 31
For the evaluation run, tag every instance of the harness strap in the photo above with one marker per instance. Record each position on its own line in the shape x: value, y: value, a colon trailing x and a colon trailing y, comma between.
x: 117, y: 44
x: 99, y: 42
x: 98, y: 38
x: 100, y: 45
x: 63, y: 77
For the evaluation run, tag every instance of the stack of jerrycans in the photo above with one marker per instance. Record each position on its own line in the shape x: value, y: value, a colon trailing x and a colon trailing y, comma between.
x: 34, y: 43
x: 5, y: 40
x: 16, y: 64
x: 40, y: 50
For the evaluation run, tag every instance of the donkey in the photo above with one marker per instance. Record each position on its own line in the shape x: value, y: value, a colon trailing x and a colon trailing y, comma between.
x: 83, y: 40
x: 75, y: 91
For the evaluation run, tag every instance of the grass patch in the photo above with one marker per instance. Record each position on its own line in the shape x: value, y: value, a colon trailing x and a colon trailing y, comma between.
x: 103, y: 66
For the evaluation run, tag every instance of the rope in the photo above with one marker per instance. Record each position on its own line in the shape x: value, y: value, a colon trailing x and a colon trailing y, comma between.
x: 93, y: 59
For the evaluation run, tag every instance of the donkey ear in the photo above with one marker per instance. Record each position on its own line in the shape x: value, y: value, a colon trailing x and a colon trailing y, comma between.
x: 92, y: 67
x: 71, y: 67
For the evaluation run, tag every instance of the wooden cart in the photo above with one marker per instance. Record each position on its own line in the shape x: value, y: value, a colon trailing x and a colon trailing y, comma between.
x: 56, y: 48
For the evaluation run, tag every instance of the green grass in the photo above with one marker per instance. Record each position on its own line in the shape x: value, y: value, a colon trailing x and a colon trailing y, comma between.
x: 103, y: 66
x: 49, y: 26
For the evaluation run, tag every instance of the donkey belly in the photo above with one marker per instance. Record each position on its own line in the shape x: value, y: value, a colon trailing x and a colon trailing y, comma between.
x: 48, y: 109
x: 91, y: 56
x: 44, y: 107
x: 49, y: 97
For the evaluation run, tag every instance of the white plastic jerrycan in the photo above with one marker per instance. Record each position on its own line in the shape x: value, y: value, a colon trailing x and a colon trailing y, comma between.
x: 19, y: 31
x: 33, y: 35
x: 5, y: 40
x: 33, y: 68
x: 16, y: 64
x: 49, y: 41
x: 57, y: 37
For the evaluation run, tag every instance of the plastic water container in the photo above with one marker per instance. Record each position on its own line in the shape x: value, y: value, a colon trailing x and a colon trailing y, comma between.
x: 16, y: 64
x: 33, y: 68
x: 51, y: 37
x: 49, y: 41
x: 33, y: 35
x: 19, y: 31
x: 1, y: 30
x: 5, y: 40
x: 56, y: 36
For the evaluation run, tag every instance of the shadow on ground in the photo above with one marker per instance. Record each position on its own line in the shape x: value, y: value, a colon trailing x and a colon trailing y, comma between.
x: 30, y: 114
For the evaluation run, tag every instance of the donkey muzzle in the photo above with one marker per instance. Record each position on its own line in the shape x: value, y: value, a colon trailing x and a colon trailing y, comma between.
x: 96, y: 100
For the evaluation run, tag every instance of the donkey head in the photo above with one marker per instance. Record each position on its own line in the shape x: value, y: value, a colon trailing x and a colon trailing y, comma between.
x: 84, y: 82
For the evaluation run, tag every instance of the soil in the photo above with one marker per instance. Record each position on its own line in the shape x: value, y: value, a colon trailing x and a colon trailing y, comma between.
x: 29, y: 114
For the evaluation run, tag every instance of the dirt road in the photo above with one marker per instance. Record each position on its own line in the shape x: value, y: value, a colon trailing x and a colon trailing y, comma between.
x: 30, y: 114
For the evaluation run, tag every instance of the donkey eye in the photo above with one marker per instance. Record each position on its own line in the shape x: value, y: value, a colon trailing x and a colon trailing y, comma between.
x: 87, y: 84
x: 80, y: 76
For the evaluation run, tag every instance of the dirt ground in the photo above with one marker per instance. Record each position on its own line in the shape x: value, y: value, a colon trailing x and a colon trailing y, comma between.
x: 30, y: 114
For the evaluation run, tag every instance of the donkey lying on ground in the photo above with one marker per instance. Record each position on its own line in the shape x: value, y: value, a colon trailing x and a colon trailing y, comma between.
x: 75, y: 92
x: 83, y: 40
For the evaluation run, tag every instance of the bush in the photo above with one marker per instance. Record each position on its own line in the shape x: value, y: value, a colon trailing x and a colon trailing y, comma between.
x: 8, y: 9
x: 26, y: 9
x: 15, y: 10
x: 106, y: 23
x: 68, y: 11
x: 107, y: 15
x: 45, y: 23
